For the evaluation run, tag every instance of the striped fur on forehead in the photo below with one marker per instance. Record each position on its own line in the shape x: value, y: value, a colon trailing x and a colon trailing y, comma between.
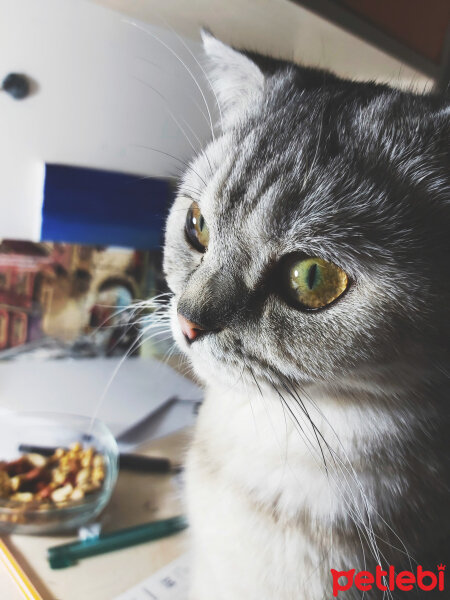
x: 365, y: 174
x: 349, y: 172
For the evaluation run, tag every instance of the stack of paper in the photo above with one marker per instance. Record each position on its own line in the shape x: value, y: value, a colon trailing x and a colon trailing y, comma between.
x: 134, y: 397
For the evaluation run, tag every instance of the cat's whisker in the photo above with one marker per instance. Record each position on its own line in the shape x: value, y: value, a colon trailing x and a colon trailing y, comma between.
x: 249, y: 396
x: 314, y: 404
x: 171, y: 114
x: 200, y: 144
x: 111, y: 379
x: 194, y: 79
x: 201, y: 68
x: 158, y: 303
x: 317, y: 433
x: 187, y: 165
x: 351, y: 505
x: 286, y: 463
x: 189, y: 191
x: 353, y: 511
x: 189, y: 96
x: 314, y: 160
x: 110, y: 317
x: 357, y: 517
x: 170, y: 353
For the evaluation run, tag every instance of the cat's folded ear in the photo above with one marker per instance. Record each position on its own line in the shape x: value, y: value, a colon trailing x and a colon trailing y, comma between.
x: 235, y: 79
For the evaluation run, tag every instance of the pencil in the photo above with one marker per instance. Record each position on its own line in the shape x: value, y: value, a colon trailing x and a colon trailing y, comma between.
x: 17, y: 573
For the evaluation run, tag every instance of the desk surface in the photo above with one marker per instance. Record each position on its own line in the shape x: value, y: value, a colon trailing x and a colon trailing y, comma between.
x: 138, y: 498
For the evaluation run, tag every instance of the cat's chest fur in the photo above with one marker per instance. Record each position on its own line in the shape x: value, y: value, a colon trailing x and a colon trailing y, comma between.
x: 261, y: 503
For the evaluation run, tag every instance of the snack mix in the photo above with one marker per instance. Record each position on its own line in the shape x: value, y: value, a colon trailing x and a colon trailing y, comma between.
x: 52, y: 481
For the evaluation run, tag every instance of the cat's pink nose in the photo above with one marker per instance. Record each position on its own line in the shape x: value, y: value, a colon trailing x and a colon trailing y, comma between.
x: 190, y: 330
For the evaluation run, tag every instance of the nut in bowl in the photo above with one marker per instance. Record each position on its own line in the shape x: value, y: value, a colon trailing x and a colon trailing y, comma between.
x: 40, y: 481
x: 64, y: 482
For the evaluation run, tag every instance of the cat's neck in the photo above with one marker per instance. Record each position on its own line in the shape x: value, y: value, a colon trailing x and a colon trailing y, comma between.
x: 281, y: 447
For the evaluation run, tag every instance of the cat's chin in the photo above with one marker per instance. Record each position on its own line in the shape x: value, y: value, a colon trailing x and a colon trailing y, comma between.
x: 215, y: 373
x: 214, y: 366
x: 211, y: 371
x: 228, y: 372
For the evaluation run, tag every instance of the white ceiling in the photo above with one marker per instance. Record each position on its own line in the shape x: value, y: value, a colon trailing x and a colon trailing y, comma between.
x: 277, y: 27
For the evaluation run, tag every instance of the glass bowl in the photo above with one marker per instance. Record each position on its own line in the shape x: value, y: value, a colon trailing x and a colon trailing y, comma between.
x: 53, y: 430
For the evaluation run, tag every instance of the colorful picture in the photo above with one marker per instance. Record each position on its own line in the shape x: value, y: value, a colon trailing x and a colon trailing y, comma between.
x: 73, y: 297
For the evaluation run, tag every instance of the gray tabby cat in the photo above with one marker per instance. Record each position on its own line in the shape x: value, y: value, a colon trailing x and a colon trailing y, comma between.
x: 307, y: 252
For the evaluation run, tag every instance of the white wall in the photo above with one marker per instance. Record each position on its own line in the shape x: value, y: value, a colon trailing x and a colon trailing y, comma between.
x: 90, y: 109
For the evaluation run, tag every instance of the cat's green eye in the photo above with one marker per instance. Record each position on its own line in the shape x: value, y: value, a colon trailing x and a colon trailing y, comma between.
x: 196, y: 229
x: 315, y: 283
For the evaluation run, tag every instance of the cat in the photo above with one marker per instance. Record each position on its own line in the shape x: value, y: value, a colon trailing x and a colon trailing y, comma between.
x: 307, y: 252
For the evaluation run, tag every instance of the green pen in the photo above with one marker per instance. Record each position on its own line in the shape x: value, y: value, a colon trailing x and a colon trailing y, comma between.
x: 67, y: 555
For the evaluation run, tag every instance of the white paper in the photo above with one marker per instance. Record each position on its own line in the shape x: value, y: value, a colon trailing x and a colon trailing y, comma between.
x: 139, y: 387
x: 170, y: 418
x: 169, y: 583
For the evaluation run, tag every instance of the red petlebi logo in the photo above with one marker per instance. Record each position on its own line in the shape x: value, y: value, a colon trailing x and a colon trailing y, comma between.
x: 388, y: 580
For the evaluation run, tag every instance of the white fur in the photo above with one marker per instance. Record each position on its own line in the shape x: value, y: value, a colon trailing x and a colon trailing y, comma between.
x: 257, y: 487
x: 251, y: 478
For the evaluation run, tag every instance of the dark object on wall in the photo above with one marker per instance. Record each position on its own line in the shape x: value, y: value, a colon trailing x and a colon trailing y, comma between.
x: 414, y: 31
x: 16, y: 85
x: 87, y: 206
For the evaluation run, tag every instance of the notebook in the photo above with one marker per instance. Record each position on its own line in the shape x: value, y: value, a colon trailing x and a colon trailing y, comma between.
x: 132, y: 391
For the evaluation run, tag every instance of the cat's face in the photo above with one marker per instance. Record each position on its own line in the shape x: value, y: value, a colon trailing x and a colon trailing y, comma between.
x: 308, y: 166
